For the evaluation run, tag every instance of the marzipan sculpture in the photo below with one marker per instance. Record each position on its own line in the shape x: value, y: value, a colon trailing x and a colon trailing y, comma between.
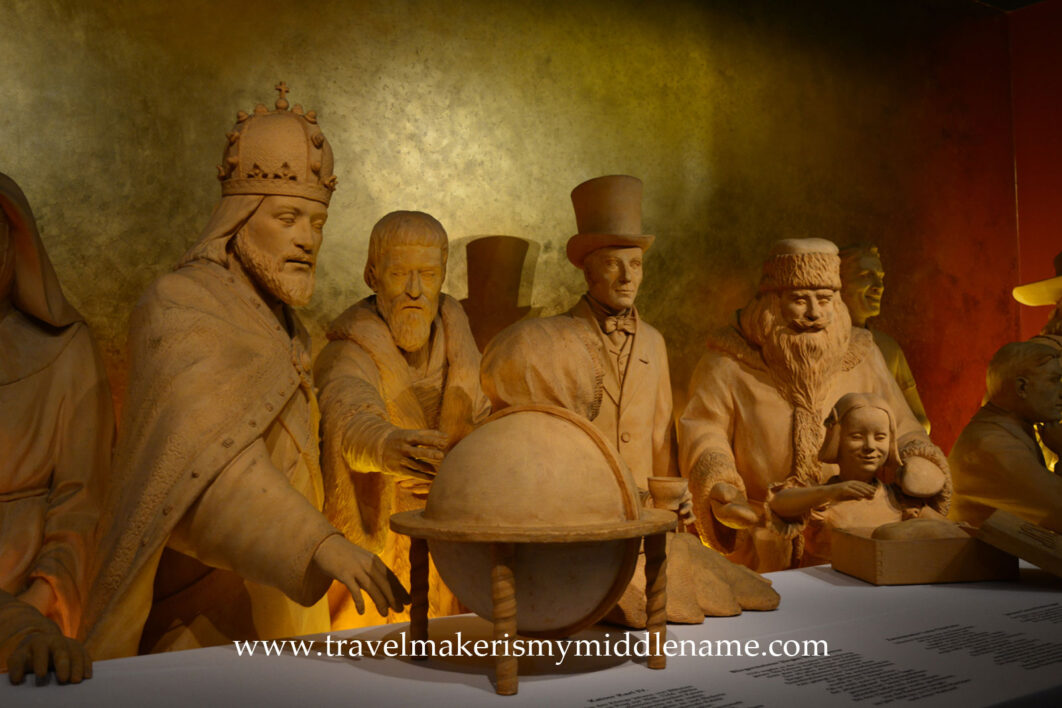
x: 1038, y: 294
x: 56, y: 426
x: 216, y: 471
x: 399, y: 386
x: 996, y: 462
x: 861, y: 440
x: 603, y: 362
x: 32, y: 643
x: 758, y: 398
x: 862, y: 287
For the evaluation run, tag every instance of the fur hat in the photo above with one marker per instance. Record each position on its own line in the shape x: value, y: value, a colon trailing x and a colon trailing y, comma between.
x: 802, y: 263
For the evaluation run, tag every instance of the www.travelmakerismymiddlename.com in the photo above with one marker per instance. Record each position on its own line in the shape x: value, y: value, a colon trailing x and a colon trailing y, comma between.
x: 629, y: 645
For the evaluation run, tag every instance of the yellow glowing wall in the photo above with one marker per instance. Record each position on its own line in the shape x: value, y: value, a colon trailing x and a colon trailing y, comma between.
x: 747, y: 120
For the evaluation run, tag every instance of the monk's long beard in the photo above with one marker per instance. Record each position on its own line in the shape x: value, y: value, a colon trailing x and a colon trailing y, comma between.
x: 267, y: 270
x: 409, y: 328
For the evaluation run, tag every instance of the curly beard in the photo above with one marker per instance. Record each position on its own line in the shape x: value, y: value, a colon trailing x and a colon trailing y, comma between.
x: 802, y: 362
x: 267, y: 270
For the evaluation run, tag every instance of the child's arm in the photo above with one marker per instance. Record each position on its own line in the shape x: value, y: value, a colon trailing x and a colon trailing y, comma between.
x: 794, y: 502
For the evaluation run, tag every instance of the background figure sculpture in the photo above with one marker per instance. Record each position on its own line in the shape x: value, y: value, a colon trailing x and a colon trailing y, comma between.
x: 862, y: 289
x: 56, y: 426
x: 996, y: 462
x: 399, y: 386
x: 495, y: 271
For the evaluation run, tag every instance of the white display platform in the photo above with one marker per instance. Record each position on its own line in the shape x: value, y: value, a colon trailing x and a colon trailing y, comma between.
x: 967, y: 645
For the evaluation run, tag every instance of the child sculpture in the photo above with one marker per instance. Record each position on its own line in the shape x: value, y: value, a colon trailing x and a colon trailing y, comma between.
x: 861, y: 441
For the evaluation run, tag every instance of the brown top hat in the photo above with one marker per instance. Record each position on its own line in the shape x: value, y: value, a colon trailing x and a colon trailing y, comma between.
x: 608, y: 212
x: 1042, y: 292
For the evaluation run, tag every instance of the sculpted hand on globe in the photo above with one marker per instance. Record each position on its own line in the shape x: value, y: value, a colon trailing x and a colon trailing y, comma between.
x: 413, y: 453
x: 360, y: 570
x: 731, y: 507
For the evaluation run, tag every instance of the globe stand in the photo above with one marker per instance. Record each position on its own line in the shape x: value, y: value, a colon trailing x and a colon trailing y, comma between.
x: 652, y: 525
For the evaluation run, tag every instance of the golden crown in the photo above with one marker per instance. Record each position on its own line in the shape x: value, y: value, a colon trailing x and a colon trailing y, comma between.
x: 280, y: 152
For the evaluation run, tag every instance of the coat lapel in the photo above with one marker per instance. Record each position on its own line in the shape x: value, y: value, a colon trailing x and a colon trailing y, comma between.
x: 611, y: 377
x: 637, y: 366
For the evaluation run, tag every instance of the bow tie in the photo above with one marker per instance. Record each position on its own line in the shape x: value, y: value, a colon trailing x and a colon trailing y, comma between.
x: 620, y: 323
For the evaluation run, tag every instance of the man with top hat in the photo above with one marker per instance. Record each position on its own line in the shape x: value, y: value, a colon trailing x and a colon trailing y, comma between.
x: 211, y: 530
x: 602, y: 361
x: 758, y: 398
x: 399, y: 386
x: 635, y: 409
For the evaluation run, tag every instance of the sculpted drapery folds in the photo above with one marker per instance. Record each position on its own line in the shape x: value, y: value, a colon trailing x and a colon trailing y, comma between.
x: 399, y: 386
x: 56, y: 426
x: 212, y: 523
x: 758, y: 398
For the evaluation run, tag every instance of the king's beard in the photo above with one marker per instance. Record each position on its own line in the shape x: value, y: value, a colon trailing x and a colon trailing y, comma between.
x: 268, y: 272
x: 410, y: 328
x: 802, y: 362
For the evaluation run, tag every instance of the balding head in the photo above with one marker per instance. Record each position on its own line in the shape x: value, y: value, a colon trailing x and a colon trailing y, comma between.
x: 1026, y: 378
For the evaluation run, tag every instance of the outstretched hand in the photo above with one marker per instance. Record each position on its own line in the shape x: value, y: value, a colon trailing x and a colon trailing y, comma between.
x: 40, y: 651
x: 360, y: 570
x: 413, y: 453
x: 730, y: 506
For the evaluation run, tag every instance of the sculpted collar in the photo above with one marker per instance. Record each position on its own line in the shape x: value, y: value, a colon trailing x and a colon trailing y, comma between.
x: 608, y: 321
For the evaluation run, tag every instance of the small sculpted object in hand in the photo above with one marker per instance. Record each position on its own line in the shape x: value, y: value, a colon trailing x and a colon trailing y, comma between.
x: 862, y: 288
x: 997, y: 461
x: 213, y: 528
x: 56, y: 426
x: 602, y: 361
x: 32, y: 643
x: 399, y: 386
x: 861, y: 440
x: 753, y: 421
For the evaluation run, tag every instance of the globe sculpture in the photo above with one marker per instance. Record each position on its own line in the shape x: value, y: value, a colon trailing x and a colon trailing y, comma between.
x: 534, y: 523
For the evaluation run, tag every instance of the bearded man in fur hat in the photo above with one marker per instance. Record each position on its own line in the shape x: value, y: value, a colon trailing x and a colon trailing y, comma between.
x: 758, y: 398
x: 212, y: 522
x: 399, y: 386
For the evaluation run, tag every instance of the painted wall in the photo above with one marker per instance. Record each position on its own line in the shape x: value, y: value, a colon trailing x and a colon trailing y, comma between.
x: 748, y: 120
x: 1036, y: 60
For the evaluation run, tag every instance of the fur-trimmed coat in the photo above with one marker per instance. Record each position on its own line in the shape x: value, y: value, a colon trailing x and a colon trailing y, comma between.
x: 738, y: 428
x: 367, y: 390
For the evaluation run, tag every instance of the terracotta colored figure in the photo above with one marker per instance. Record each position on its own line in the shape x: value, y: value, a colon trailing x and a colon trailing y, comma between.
x: 56, y: 426
x: 602, y: 361
x: 861, y: 441
x: 32, y: 643
x: 399, y: 386
x: 214, y: 513
x: 862, y: 287
x: 1038, y: 294
x: 760, y: 393
x: 635, y: 412
x: 996, y: 461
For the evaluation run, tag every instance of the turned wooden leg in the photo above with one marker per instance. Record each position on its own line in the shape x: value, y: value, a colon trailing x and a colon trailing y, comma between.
x: 656, y: 597
x: 418, y: 591
x: 503, y: 593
